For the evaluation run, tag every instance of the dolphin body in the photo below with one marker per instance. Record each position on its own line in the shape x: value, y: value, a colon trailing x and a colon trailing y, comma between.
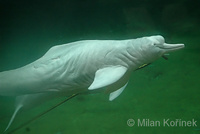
x: 81, y: 67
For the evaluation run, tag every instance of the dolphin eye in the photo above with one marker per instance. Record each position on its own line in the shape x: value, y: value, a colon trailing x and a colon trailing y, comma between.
x: 156, y: 44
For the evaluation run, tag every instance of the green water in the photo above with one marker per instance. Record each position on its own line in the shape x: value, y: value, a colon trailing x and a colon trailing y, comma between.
x: 166, y: 89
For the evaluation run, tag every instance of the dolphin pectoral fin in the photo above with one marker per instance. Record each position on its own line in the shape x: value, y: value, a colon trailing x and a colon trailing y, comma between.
x: 13, y: 116
x: 107, y: 76
x: 116, y: 93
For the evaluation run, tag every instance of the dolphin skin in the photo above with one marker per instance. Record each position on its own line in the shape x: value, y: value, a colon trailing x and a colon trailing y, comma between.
x: 82, y: 67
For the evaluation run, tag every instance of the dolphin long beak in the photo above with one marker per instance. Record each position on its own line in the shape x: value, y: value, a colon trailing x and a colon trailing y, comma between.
x: 171, y: 47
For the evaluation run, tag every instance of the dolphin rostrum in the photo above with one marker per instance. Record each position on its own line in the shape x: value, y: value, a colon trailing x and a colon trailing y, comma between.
x: 82, y: 66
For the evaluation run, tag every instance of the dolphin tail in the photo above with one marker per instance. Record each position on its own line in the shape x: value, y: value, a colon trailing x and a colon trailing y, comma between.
x: 13, y: 116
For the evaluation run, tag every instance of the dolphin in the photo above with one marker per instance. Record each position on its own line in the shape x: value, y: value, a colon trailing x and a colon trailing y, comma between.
x: 87, y: 66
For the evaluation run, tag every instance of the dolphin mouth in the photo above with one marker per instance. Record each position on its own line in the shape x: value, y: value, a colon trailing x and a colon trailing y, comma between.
x: 171, y: 47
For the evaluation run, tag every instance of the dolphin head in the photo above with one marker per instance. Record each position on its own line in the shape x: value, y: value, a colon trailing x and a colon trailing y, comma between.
x: 158, y: 43
x: 154, y: 47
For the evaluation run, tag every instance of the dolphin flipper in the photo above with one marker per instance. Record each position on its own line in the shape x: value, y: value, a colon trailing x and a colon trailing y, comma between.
x: 28, y: 101
x: 107, y: 76
x: 116, y: 93
x: 13, y: 116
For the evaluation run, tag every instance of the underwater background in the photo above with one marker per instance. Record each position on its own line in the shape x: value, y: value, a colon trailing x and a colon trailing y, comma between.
x: 166, y: 89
